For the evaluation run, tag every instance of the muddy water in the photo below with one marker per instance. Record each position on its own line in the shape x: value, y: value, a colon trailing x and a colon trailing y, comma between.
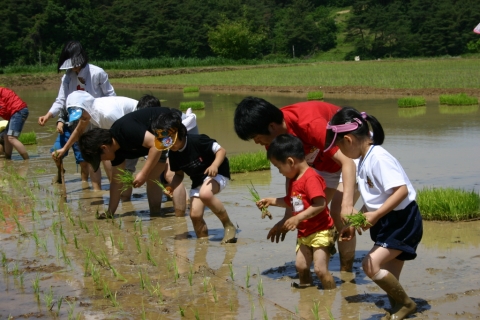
x: 184, y: 276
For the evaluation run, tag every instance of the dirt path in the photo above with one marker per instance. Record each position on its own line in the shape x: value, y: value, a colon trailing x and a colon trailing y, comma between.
x: 52, y: 81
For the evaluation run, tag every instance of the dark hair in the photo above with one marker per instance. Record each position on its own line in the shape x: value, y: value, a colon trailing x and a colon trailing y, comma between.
x: 91, y: 141
x: 73, y: 50
x: 285, y: 146
x: 170, y: 120
x: 253, y: 116
x: 348, y: 115
x: 148, y: 101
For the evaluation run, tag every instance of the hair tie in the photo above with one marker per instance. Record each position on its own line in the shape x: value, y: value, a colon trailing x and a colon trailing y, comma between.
x: 364, y: 115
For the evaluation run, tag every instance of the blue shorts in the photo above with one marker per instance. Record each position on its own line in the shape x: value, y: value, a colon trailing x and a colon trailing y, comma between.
x: 15, y: 125
x: 62, y: 140
x: 400, y: 230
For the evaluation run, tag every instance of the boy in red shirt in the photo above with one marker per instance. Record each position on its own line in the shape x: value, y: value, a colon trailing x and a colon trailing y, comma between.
x: 310, y: 214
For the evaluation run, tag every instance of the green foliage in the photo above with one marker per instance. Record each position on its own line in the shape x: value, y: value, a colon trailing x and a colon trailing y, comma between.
x: 448, y: 204
x: 195, y: 105
x: 28, y: 138
x: 250, y: 161
x: 461, y: 99
x: 411, y: 102
x: 315, y: 95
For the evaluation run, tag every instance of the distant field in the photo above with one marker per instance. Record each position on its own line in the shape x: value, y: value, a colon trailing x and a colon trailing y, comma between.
x: 401, y: 74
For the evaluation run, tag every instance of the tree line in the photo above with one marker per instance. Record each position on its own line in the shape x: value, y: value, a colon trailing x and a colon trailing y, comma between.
x: 34, y: 31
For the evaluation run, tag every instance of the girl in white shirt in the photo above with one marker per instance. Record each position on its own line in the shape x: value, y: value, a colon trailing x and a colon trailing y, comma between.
x: 392, y: 214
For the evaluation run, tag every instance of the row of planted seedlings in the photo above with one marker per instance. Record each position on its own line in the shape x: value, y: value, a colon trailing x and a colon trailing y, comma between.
x: 126, y: 265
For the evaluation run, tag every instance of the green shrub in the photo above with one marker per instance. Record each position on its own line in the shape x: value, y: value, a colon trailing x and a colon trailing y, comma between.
x: 448, y: 204
x: 315, y: 95
x: 250, y: 161
x: 190, y: 89
x: 410, y: 102
x: 460, y: 99
x: 195, y: 105
x: 28, y: 138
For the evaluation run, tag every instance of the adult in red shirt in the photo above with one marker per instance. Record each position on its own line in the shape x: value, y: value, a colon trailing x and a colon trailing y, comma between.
x: 257, y: 119
x: 15, y: 110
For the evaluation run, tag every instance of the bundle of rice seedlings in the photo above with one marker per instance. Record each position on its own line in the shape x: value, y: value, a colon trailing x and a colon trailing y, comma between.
x: 461, y: 99
x: 411, y: 102
x: 256, y: 198
x: 126, y: 178
x: 357, y: 220
x: 166, y: 190
x: 190, y: 89
x: 315, y: 95
x: 28, y: 138
x: 195, y: 105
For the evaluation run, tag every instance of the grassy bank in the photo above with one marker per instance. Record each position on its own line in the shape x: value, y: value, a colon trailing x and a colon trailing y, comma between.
x: 402, y: 74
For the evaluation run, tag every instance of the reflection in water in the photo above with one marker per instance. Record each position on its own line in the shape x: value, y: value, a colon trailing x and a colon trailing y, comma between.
x: 412, y: 112
x: 458, y: 109
x: 451, y: 235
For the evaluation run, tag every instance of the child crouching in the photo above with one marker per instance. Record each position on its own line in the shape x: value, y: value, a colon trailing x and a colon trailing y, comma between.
x: 306, y: 197
x: 204, y: 161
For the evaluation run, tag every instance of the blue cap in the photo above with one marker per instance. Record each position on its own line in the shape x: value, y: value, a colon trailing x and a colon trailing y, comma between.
x: 74, y: 113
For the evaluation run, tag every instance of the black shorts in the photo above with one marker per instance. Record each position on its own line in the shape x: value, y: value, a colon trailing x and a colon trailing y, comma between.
x: 400, y: 230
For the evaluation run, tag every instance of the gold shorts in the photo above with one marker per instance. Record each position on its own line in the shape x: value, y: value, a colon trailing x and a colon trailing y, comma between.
x: 320, y: 239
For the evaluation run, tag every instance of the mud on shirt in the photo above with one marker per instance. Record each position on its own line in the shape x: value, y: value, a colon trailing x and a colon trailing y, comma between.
x: 196, y: 156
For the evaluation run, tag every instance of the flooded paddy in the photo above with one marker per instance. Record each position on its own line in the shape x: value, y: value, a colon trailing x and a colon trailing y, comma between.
x: 140, y: 266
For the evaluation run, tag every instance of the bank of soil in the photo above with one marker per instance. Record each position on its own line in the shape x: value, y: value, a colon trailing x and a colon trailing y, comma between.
x: 52, y: 81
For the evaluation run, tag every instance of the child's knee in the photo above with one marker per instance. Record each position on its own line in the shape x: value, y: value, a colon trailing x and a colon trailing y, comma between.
x: 367, y: 266
x: 206, y: 195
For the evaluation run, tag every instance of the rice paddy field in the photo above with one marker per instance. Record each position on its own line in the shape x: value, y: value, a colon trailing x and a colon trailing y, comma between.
x: 58, y: 262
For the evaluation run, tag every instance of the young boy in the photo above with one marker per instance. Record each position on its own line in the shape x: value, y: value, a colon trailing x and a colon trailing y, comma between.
x: 204, y: 161
x: 128, y: 138
x: 310, y: 214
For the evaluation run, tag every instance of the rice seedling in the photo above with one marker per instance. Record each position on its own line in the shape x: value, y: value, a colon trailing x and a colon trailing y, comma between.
x: 144, y: 316
x: 196, y: 314
x: 59, y: 305
x: 108, y: 294
x: 315, y: 95
x: 20, y: 227
x: 264, y: 313
x: 80, y: 222
x: 214, y: 293
x: 48, y: 299
x: 36, y: 285
x: 260, y: 286
x: 71, y: 310
x: 249, y: 161
x: 411, y: 102
x: 15, y: 271
x: 190, y: 275
x: 85, y: 227
x: 96, y: 229
x: 126, y: 179
x: 4, y: 259
x: 150, y: 258
x: 316, y: 316
x: 166, y: 190
x: 357, y: 220
x: 191, y: 89
x: 252, y: 311
x: 120, y: 244
x: 194, y: 105
x: 28, y: 138
x: 232, y: 274
x: 22, y: 278
x: 256, y: 198
x: 182, y: 311
x: 143, y: 280
x: 461, y: 99
x: 43, y: 243
x: 176, y: 275
x: 95, y: 274
x: 62, y: 235
x: 66, y: 259
x: 137, y: 243
x: 448, y: 204
x: 155, y: 291
x: 247, y: 278
x: 111, y: 240
x: 330, y: 314
x: 35, y: 237
x: 75, y: 241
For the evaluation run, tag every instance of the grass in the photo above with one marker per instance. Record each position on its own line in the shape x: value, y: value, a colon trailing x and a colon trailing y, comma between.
x: 461, y: 99
x: 195, y: 105
x: 191, y: 89
x: 249, y: 161
x: 256, y: 198
x: 448, y: 204
x: 411, y: 102
x: 315, y: 95
x: 28, y: 138
x: 397, y: 74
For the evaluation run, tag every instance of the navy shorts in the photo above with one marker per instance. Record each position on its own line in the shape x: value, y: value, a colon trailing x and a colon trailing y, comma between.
x: 15, y: 125
x: 400, y: 230
x: 62, y: 140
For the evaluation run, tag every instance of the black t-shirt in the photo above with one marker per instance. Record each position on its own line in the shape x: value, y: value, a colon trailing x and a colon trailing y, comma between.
x: 196, y: 158
x: 129, y: 132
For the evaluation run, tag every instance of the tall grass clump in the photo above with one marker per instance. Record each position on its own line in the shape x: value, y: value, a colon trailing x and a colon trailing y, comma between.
x: 190, y: 89
x: 28, y: 138
x: 249, y: 161
x: 195, y: 105
x: 448, y: 204
x: 461, y: 99
x: 411, y: 102
x: 315, y: 95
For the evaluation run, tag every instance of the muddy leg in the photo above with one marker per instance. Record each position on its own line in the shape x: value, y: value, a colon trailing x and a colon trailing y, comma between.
x: 394, y: 289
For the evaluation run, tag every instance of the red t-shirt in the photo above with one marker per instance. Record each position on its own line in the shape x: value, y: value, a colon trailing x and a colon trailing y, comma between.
x: 308, y: 121
x: 9, y: 103
x: 300, y: 195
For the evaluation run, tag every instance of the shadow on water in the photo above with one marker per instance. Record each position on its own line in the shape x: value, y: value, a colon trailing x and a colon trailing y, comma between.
x: 140, y: 265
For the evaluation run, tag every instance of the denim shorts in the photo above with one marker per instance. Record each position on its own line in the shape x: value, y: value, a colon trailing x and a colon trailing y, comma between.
x: 15, y: 125
x: 62, y: 140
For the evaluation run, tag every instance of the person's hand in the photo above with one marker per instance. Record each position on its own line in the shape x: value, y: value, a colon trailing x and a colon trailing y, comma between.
x: 211, y: 171
x: 42, y: 120
x: 139, y: 180
x: 292, y: 223
x: 278, y: 232
x: 371, y: 220
x: 263, y: 203
x: 347, y: 233
x: 60, y: 127
x: 168, y: 191
x: 58, y: 154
